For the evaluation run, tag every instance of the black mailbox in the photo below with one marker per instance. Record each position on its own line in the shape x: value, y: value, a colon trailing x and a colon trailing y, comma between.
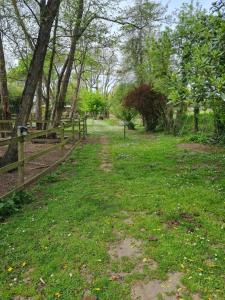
x: 23, y: 130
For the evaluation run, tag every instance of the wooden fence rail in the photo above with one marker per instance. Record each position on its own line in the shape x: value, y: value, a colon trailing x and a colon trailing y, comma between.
x: 65, y: 129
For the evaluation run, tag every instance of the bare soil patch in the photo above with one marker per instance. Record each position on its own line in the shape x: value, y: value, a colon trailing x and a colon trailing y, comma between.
x: 218, y: 246
x: 104, y: 140
x: 118, y: 276
x: 128, y: 247
x: 172, y: 223
x: 125, y: 212
x: 149, y: 135
x: 88, y: 295
x: 128, y: 221
x: 146, y: 262
x: 22, y: 298
x: 185, y: 219
x: 9, y: 180
x: 86, y: 273
x: 26, y: 276
x: 106, y: 165
x: 91, y: 140
x: 200, y: 147
x: 169, y: 290
x: 196, y: 297
x: 89, y: 298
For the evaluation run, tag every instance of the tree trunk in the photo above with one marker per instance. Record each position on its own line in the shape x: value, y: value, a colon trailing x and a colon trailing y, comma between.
x: 77, y: 32
x: 196, y: 118
x: 76, y: 91
x: 28, y: 37
x: 75, y: 98
x: 60, y: 101
x: 179, y: 118
x: 130, y: 125
x: 38, y: 112
x: 48, y: 14
x: 151, y: 123
x: 48, y: 86
x: 59, y: 83
x: 219, y: 125
x: 4, y: 96
x: 169, y: 118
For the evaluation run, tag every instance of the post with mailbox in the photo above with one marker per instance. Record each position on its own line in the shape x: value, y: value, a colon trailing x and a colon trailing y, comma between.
x: 125, y: 123
x: 21, y: 132
x: 62, y: 136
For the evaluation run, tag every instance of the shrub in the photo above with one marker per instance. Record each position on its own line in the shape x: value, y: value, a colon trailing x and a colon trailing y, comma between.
x: 127, y: 115
x: 13, y: 203
x: 51, y: 178
x: 93, y: 103
x: 150, y: 104
x: 199, y: 138
x: 120, y: 111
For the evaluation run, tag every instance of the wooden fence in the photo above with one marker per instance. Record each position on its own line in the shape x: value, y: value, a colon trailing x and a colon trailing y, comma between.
x: 66, y: 133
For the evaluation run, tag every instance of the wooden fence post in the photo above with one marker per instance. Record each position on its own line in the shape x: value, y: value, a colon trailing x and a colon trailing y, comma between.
x: 73, y: 130
x: 85, y: 126
x: 20, y: 156
x: 79, y: 129
x: 62, y: 136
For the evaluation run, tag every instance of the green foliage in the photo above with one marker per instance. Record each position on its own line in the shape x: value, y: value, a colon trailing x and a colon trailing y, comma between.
x: 159, y: 62
x: 206, y: 123
x: 143, y: 14
x: 199, y: 39
x: 15, y: 93
x: 92, y: 102
x: 50, y: 178
x: 19, y: 72
x: 187, y: 64
x: 16, y: 79
x: 200, y: 138
x: 204, y: 138
x: 118, y: 109
x: 14, y: 203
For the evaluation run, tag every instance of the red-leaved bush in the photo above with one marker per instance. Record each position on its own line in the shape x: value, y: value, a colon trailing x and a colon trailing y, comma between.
x: 149, y: 103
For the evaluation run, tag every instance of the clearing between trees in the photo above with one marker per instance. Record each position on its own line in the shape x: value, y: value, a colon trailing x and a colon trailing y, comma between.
x: 134, y: 219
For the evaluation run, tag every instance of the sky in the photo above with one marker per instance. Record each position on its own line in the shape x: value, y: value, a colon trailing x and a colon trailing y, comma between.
x: 173, y: 5
x: 176, y: 4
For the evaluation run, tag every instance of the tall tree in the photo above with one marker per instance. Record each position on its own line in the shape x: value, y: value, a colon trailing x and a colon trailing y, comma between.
x: 145, y: 14
x: 76, y: 34
x: 4, y: 97
x: 79, y: 74
x: 48, y: 12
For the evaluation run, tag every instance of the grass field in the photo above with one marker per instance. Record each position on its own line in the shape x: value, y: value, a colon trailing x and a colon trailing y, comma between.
x: 165, y: 202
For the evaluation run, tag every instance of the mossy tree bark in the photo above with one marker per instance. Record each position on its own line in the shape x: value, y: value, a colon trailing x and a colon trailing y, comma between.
x: 4, y: 96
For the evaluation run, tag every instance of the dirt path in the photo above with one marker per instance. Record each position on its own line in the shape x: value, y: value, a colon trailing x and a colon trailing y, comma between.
x: 130, y: 248
x: 106, y: 165
x: 196, y: 147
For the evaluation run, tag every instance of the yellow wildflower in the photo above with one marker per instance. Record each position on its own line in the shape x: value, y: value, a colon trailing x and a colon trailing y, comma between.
x: 57, y: 295
x: 9, y: 269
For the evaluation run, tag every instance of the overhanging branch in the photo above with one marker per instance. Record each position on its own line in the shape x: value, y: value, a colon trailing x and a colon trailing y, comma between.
x: 119, y: 21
